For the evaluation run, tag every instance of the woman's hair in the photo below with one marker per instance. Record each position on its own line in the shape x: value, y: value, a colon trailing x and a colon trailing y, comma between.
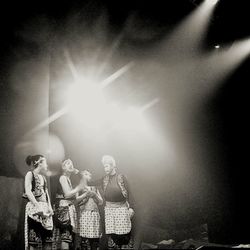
x: 66, y: 161
x: 33, y: 159
x: 108, y: 159
x: 84, y: 171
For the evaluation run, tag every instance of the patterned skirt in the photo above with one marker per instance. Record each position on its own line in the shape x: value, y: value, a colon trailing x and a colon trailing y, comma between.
x: 117, y: 219
x: 89, y: 224
x: 65, y: 233
x: 73, y: 218
x: 37, y: 229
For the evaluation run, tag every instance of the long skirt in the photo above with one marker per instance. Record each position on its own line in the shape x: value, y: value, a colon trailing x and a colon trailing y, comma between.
x: 37, y: 229
x: 66, y: 233
x: 72, y: 213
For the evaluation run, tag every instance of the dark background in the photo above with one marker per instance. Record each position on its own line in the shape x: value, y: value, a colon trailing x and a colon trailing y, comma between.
x: 223, y: 119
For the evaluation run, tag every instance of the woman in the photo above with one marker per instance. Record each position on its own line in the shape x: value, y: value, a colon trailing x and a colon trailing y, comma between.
x: 65, y: 208
x: 38, y: 212
x: 118, y: 210
x: 89, y: 217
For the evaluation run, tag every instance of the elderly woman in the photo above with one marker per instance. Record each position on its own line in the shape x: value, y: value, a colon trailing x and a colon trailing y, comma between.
x: 118, y: 211
x: 38, y: 212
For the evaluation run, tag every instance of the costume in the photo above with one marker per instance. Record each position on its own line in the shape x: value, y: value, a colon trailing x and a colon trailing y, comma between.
x: 117, y: 216
x: 89, y: 221
x: 65, y: 217
x: 38, y: 228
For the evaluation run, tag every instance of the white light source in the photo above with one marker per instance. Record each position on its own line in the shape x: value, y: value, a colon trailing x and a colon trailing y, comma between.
x: 212, y: 2
x: 217, y: 46
x: 86, y: 102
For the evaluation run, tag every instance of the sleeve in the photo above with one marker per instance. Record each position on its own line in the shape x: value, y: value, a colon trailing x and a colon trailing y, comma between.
x: 130, y: 198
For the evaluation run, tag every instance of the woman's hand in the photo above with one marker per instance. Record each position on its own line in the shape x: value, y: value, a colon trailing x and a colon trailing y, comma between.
x: 92, y: 194
x: 39, y: 209
x: 131, y: 212
x: 51, y: 212
x: 88, y: 193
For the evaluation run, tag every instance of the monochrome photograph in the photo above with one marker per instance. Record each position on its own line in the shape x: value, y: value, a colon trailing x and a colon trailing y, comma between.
x: 124, y: 124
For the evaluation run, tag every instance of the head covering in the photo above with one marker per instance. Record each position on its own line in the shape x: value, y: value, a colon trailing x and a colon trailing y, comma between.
x: 108, y: 159
x: 34, y: 159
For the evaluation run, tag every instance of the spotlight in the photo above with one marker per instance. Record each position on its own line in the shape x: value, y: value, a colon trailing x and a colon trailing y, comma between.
x: 212, y: 2
x: 217, y: 46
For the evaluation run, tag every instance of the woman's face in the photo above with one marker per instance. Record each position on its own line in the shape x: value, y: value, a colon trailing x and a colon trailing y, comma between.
x: 87, y: 175
x: 68, y: 166
x: 108, y: 167
x: 43, y: 164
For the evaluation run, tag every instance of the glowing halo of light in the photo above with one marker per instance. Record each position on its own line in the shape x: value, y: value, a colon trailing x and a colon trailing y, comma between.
x: 87, y: 104
x: 42, y: 143
x: 131, y: 119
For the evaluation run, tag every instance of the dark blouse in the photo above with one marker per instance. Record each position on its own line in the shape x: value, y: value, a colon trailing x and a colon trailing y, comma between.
x: 113, y: 191
x: 38, y: 189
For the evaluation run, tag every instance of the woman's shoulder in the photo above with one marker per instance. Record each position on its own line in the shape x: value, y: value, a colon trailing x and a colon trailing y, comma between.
x: 29, y: 174
x: 121, y: 176
x: 62, y: 178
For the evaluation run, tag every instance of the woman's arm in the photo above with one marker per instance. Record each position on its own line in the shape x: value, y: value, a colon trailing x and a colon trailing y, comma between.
x: 49, y: 202
x: 130, y: 198
x: 82, y: 198
x: 67, y: 190
x: 98, y: 198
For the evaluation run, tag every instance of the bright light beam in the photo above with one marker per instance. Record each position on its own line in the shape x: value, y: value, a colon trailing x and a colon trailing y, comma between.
x: 212, y: 2
x: 215, y: 67
x: 117, y: 74
x: 225, y: 61
x: 114, y: 46
x: 65, y: 110
x: 189, y: 34
x: 150, y: 104
x: 71, y: 65
x: 46, y: 122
